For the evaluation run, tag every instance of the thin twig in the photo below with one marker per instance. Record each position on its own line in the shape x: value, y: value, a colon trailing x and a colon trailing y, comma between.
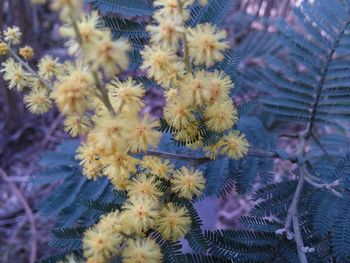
x: 203, y: 159
x: 104, y: 93
x: 180, y: 6
x: 330, y: 186
x: 28, y: 212
x: 29, y: 68
x: 52, y: 129
x: 298, y: 237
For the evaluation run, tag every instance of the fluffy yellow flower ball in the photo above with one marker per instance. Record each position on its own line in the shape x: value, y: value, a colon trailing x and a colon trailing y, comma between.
x: 162, y: 64
x: 48, y: 67
x: 144, y: 186
x: 127, y: 94
x: 142, y: 250
x: 100, y: 243
x: 220, y: 116
x: 187, y: 183
x: 72, y: 92
x: 3, y: 48
x: 173, y: 222
x: 235, y: 145
x: 38, y: 101
x: 155, y: 166
x: 13, y: 35
x: 141, y: 213
x: 14, y: 74
x: 26, y: 52
x: 206, y: 44
x: 179, y: 114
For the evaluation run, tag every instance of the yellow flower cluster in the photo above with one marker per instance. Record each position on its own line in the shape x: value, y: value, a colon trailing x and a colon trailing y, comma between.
x: 147, y: 209
x: 106, y: 111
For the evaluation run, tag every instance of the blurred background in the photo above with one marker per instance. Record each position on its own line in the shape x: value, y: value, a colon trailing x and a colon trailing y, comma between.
x: 24, y: 136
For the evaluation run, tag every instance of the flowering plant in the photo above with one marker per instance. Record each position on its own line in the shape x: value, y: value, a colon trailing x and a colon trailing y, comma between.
x: 128, y: 194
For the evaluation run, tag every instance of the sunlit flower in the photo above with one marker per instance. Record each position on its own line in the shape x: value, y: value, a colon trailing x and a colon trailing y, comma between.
x: 26, y: 52
x: 162, y: 64
x: 206, y: 44
x: 14, y: 74
x: 69, y: 9
x: 88, y: 33
x: 38, y: 101
x: 111, y: 56
x: 187, y: 183
x: 193, y: 86
x: 235, y: 145
x: 48, y: 67
x: 143, y: 250
x: 71, y: 93
x: 167, y: 31
x: 77, y: 125
x: 144, y: 134
x: 179, y: 114
x: 220, y: 116
x: 218, y: 86
x: 170, y: 8
x: 3, y: 48
x: 158, y: 167
x: 144, y: 186
x: 100, y: 243
x: 13, y: 35
x: 141, y: 212
x: 173, y: 222
x: 127, y: 94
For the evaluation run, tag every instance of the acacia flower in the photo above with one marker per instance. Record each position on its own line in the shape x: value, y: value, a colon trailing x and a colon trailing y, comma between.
x: 144, y: 134
x: 158, y: 167
x: 77, y: 125
x: 71, y: 93
x: 162, y: 64
x: 69, y: 9
x: 144, y: 186
x: 218, y: 86
x: 187, y: 183
x: 3, y: 48
x: 168, y: 30
x: 170, y: 8
x: 220, y: 116
x: 14, y: 74
x: 48, y: 67
x: 173, y: 222
x: 90, y: 160
x: 193, y: 86
x: 141, y: 212
x: 111, y: 56
x: 100, y: 243
x: 13, y: 35
x: 126, y: 94
x: 235, y: 145
x: 142, y: 250
x: 26, y: 52
x: 179, y: 114
x: 38, y: 101
x: 206, y: 44
x: 119, y: 165
x: 89, y: 35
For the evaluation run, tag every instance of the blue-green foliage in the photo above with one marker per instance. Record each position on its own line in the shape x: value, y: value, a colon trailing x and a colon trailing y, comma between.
x: 312, y: 85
